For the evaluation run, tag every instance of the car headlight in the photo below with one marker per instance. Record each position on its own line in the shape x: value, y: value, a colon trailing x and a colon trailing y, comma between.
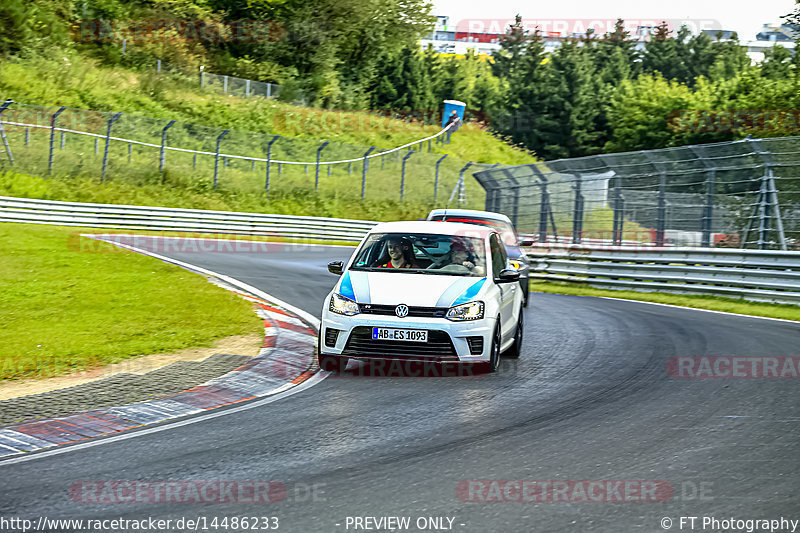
x: 470, y: 311
x: 343, y: 306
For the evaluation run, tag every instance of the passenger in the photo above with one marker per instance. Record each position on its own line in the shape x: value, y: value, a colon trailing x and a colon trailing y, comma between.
x: 401, y: 254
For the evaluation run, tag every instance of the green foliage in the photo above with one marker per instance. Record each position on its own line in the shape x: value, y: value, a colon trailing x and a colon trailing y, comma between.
x: 29, y: 26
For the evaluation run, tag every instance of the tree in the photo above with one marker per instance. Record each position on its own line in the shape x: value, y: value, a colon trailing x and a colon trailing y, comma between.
x: 777, y: 64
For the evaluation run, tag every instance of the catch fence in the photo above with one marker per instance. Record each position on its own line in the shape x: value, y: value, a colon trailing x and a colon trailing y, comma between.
x: 739, y: 194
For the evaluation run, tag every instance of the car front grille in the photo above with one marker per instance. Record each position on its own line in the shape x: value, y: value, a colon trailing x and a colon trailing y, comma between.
x: 415, y: 312
x: 438, y: 348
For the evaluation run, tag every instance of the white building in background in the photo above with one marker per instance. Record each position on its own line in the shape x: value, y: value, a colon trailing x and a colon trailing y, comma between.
x: 769, y: 36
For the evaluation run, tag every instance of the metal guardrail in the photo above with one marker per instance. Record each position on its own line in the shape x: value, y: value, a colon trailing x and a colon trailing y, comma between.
x: 173, y: 219
x: 757, y: 275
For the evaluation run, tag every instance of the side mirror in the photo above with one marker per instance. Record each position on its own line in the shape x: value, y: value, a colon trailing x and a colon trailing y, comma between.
x: 336, y: 267
x: 507, y: 275
x: 526, y: 241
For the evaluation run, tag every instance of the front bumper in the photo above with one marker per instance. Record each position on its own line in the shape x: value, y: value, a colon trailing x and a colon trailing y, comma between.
x: 350, y: 341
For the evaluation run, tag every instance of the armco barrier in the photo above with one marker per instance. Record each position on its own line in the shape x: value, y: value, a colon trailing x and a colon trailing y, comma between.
x: 757, y: 275
x: 174, y: 219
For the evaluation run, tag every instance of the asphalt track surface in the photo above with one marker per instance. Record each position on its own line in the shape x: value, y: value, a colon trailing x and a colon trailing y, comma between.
x: 590, y: 399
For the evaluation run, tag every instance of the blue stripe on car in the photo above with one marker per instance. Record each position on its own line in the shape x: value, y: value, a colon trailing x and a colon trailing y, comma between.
x: 461, y: 288
x: 346, y: 287
x: 360, y: 284
x: 470, y: 293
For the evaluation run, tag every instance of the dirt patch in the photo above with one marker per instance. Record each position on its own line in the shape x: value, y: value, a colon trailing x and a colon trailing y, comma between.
x: 248, y: 345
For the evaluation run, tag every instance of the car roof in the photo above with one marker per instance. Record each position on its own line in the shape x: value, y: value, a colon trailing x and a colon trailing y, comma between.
x: 436, y: 228
x: 470, y: 212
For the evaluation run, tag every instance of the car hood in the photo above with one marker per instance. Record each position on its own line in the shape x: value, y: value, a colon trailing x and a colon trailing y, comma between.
x: 423, y: 290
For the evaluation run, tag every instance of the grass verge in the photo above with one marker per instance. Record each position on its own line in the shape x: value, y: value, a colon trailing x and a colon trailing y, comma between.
x: 65, y: 310
x: 714, y: 303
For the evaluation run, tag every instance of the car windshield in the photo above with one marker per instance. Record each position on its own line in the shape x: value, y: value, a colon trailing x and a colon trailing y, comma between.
x: 422, y: 253
x: 504, y: 228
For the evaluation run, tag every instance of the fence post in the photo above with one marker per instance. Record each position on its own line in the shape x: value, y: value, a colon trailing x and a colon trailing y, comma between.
x: 53, y: 139
x: 63, y: 140
x: 202, y: 76
x: 459, y: 183
x: 661, y: 221
x: 111, y: 121
x: 364, y: 168
x: 515, y: 205
x: 773, y: 191
x: 216, y: 156
x: 707, y: 225
x: 316, y: 176
x: 436, y: 178
x: 577, y: 214
x: 269, y: 158
x: 27, y: 136
x: 130, y: 151
x: 269, y: 90
x: 3, y: 137
x: 544, y: 206
x: 619, y: 206
x: 159, y: 65
x: 763, y: 214
x: 403, y: 174
x: 247, y: 88
x: 768, y: 195
x: 163, y: 156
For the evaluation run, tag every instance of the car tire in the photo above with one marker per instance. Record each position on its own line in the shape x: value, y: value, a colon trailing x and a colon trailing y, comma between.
x: 494, y: 355
x: 516, y: 349
x: 330, y: 363
x: 333, y: 363
x: 526, y: 288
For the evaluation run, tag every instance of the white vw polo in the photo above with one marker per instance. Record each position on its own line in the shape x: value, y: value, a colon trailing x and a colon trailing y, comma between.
x: 423, y: 291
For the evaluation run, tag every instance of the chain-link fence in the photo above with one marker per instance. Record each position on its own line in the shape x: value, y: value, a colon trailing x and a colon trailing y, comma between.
x: 240, y: 87
x: 46, y: 141
x: 737, y: 194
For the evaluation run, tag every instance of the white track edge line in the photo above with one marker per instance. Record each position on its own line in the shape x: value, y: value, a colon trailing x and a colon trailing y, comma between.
x: 313, y: 380
x: 740, y: 315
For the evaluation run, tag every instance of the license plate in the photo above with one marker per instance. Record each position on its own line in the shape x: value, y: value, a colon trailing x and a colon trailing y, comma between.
x: 391, y: 334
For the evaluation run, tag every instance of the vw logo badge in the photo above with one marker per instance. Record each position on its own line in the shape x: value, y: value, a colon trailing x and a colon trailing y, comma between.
x: 401, y: 310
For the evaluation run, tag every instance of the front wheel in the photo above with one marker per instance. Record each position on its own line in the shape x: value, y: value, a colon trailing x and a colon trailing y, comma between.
x: 526, y: 289
x: 333, y: 363
x: 494, y: 356
x: 516, y: 349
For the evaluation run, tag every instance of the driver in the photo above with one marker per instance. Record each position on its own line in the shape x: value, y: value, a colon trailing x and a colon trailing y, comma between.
x: 460, y: 255
x: 461, y: 259
x: 400, y: 253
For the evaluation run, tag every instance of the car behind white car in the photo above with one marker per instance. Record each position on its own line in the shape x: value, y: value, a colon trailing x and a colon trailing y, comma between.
x: 423, y: 291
